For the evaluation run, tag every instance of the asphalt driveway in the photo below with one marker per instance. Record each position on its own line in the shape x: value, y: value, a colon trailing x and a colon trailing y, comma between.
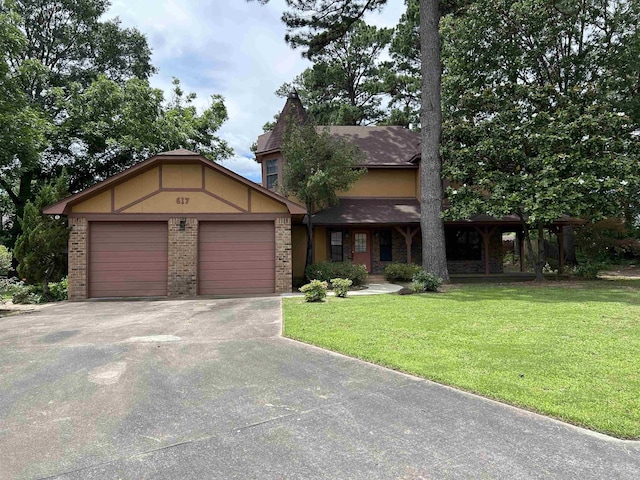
x: 207, y: 389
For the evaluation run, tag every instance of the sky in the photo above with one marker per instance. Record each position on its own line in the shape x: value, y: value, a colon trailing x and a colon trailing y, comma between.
x: 227, y: 47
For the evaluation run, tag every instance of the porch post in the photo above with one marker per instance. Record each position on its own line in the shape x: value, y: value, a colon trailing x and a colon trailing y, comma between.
x: 522, y: 253
x: 408, y: 239
x: 486, y: 233
x: 560, y: 250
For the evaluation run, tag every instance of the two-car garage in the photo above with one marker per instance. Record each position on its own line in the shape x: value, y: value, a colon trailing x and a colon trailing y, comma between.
x: 130, y: 259
x: 177, y: 225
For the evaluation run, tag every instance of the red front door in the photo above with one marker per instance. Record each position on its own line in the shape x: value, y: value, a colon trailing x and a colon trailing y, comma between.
x: 361, y: 248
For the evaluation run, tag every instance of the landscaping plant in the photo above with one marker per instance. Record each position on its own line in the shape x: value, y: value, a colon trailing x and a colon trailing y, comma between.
x: 401, y: 272
x: 325, y: 271
x: 314, y: 291
x: 341, y: 286
x: 425, y: 282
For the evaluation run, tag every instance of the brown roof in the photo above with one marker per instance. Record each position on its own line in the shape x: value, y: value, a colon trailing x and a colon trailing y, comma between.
x: 293, y: 109
x: 362, y: 211
x: 370, y: 211
x: 63, y: 206
x: 382, y: 146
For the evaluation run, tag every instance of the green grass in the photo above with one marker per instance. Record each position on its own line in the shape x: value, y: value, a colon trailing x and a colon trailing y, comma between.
x: 568, y: 350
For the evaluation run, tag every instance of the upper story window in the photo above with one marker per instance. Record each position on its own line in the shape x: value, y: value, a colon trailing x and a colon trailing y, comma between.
x: 272, y: 173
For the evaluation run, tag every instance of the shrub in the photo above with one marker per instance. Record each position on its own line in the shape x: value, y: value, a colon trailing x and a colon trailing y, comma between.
x: 608, y: 239
x: 589, y: 270
x: 325, y: 271
x: 314, y: 291
x: 59, y: 291
x: 5, y: 260
x: 341, y: 286
x: 400, y: 272
x: 426, y: 282
x: 7, y: 287
x: 26, y: 294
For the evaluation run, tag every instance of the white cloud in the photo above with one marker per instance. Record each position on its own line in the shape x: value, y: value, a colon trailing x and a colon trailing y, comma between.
x: 233, y: 48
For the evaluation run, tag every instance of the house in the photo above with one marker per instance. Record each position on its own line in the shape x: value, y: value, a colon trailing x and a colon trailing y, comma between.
x: 377, y: 221
x: 178, y: 224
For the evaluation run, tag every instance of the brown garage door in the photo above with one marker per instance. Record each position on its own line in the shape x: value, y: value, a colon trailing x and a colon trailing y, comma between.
x: 236, y: 258
x: 127, y: 259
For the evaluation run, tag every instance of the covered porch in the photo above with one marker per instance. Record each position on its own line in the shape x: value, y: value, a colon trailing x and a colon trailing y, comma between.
x: 379, y: 231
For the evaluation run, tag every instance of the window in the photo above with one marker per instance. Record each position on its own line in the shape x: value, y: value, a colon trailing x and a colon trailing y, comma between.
x: 272, y: 173
x: 463, y: 244
x: 385, y: 245
x: 360, y: 243
x: 336, y: 247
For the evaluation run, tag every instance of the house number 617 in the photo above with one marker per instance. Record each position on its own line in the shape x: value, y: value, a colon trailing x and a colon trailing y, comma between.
x: 182, y: 200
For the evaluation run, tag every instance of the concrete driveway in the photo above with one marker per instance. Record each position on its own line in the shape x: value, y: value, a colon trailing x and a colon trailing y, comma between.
x: 207, y: 389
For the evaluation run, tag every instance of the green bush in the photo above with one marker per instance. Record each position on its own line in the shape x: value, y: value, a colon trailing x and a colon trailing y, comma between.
x: 7, y: 287
x: 59, y: 291
x: 314, y: 291
x: 589, y: 270
x: 5, y: 260
x: 401, y: 272
x: 26, y: 294
x: 325, y: 271
x: 426, y: 282
x: 341, y: 286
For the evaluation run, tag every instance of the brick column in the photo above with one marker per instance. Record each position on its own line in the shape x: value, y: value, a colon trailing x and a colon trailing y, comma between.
x: 283, y: 255
x: 183, y: 258
x: 78, y: 259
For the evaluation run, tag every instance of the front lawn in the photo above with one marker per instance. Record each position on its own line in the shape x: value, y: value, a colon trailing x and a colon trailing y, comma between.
x: 570, y: 350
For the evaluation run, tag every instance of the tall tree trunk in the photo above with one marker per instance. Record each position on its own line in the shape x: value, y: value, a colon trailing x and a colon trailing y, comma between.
x: 434, y: 256
x: 529, y: 244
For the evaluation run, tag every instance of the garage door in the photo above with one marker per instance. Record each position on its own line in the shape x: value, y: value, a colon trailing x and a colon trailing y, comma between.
x: 236, y: 258
x: 127, y: 259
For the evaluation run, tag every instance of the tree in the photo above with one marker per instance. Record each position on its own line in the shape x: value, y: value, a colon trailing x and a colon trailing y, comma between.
x: 80, y: 99
x: 107, y: 127
x: 39, y: 248
x: 403, y: 80
x: 532, y: 126
x: 317, y: 166
x: 5, y: 260
x: 315, y: 24
x: 345, y: 84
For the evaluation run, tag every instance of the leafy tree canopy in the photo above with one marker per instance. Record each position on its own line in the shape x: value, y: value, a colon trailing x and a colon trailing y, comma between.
x: 74, y: 93
x: 345, y: 84
x: 532, y: 123
x: 317, y: 166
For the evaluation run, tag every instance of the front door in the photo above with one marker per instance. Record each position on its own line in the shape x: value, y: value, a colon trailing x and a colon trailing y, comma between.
x: 361, y: 251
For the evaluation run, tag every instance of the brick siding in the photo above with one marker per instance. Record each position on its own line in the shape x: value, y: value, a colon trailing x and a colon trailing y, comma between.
x: 78, y: 259
x: 182, y: 276
x: 283, y: 255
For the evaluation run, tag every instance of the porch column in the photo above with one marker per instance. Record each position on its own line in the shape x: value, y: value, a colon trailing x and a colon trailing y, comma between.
x: 486, y: 233
x: 408, y: 234
x: 520, y: 238
x: 560, y: 250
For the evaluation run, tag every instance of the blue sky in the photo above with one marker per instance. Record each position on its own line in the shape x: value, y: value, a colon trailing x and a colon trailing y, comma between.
x: 227, y: 47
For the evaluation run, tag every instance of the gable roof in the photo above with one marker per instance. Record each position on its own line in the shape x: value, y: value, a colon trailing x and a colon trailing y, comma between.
x: 383, y: 146
x: 63, y: 207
